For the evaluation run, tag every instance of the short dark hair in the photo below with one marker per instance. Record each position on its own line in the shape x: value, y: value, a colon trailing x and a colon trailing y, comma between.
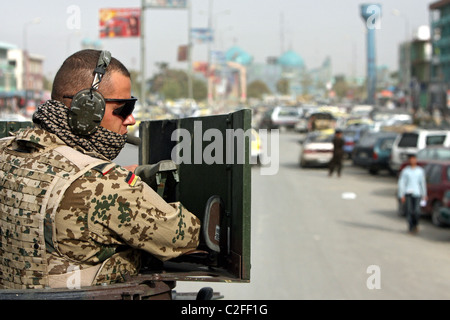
x: 77, y: 73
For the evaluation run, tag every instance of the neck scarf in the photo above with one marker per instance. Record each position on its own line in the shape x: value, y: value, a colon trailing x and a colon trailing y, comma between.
x: 52, y: 116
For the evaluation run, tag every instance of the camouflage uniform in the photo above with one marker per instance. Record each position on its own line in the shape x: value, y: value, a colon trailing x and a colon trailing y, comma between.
x: 64, y: 211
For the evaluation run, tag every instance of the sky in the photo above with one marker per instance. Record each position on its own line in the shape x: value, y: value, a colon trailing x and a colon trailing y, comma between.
x: 314, y: 29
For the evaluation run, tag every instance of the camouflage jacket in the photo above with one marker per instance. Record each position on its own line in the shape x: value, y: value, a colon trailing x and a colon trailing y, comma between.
x: 96, y: 213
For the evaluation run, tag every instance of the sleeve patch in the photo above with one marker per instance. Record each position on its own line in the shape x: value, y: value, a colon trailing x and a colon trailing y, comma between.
x: 131, y: 179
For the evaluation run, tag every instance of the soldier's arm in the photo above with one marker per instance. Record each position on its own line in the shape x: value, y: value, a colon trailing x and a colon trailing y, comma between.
x: 131, y: 209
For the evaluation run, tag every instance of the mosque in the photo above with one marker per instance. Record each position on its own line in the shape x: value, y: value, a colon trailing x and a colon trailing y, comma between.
x: 289, y: 66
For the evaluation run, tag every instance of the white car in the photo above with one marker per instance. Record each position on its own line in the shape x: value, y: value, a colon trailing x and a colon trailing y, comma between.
x: 411, y: 142
x: 317, y: 149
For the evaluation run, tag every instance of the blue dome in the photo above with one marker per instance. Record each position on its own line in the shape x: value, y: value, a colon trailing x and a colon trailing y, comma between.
x: 291, y: 59
x: 236, y: 54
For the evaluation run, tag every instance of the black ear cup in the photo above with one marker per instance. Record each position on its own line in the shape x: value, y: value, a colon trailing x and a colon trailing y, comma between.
x: 86, y: 112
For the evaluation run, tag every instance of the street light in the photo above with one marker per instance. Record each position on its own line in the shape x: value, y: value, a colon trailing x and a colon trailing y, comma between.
x: 398, y: 13
x: 36, y: 20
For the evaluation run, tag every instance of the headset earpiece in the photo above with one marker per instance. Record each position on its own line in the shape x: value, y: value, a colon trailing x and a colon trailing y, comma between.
x: 88, y: 106
x: 86, y: 112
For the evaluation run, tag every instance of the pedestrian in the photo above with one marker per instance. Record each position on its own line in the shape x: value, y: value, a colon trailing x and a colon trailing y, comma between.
x: 412, y: 189
x: 67, y: 210
x: 338, y: 154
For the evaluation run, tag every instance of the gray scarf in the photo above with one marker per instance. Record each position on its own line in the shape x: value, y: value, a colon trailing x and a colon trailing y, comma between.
x: 52, y: 116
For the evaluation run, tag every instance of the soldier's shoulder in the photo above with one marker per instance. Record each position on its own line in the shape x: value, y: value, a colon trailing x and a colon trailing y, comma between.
x: 117, y: 174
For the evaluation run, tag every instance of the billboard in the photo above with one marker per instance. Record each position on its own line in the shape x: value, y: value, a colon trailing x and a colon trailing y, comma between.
x: 123, y: 22
x: 169, y: 4
x: 202, y: 35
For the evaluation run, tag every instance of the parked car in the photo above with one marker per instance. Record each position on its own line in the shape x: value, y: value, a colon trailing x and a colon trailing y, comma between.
x: 256, y: 150
x: 317, y: 149
x: 411, y: 142
x: 444, y: 210
x: 390, y: 118
x: 373, y: 151
x: 352, y: 135
x: 438, y: 182
x: 434, y: 153
x: 430, y: 153
x: 280, y: 117
x: 321, y: 121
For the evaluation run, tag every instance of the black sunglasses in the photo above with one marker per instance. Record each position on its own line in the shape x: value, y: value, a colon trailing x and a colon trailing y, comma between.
x: 124, y: 110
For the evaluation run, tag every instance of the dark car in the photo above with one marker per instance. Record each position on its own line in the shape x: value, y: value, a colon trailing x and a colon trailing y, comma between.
x: 352, y: 134
x: 429, y: 153
x: 373, y: 151
x: 280, y: 117
x: 444, y: 210
x: 438, y: 182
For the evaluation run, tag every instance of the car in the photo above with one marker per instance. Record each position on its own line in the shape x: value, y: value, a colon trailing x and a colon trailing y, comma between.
x: 438, y: 182
x: 302, y: 124
x: 256, y: 150
x: 412, y: 141
x: 321, y: 121
x: 351, y: 135
x: 280, y: 117
x: 373, y: 151
x: 434, y: 153
x: 430, y: 153
x: 383, y: 118
x: 444, y: 210
x: 317, y: 149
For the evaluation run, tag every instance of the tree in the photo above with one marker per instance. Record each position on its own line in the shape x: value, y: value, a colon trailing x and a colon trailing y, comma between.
x: 173, y: 84
x: 340, y: 86
x: 283, y: 86
x: 257, y: 89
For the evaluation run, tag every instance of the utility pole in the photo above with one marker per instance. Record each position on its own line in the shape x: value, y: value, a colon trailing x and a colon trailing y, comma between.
x: 143, y: 53
x: 189, y: 53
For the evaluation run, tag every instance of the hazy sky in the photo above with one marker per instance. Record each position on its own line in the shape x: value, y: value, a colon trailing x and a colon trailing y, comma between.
x: 313, y: 28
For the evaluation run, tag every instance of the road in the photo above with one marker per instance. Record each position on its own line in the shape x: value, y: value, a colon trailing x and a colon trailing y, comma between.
x: 316, y: 237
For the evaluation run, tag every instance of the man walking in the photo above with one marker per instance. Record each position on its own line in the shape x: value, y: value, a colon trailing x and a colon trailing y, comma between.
x: 338, y: 154
x: 412, y: 188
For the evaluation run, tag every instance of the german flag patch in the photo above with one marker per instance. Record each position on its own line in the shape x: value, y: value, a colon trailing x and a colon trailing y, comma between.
x: 131, y: 179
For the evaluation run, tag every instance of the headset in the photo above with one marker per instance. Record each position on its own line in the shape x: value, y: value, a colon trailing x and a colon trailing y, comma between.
x: 88, y: 106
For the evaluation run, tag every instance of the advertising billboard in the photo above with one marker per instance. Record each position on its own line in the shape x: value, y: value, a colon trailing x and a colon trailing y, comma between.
x: 169, y: 4
x: 123, y: 22
x: 202, y: 35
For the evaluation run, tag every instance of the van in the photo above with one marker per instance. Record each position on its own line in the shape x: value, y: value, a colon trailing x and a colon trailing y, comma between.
x: 411, y: 142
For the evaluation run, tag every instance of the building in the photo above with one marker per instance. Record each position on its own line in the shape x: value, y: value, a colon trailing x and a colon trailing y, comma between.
x: 414, y: 71
x: 293, y: 70
x: 28, y: 71
x: 8, y: 82
x: 440, y: 59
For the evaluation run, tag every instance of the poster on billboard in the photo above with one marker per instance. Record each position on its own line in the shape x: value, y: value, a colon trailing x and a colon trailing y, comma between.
x: 123, y: 22
x: 202, y: 35
x: 168, y: 4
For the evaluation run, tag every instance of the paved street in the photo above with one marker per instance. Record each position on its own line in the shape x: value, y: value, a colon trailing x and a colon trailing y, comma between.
x: 315, y: 237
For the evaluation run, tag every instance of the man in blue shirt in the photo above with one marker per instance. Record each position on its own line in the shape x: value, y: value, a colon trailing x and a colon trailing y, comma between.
x: 412, y: 189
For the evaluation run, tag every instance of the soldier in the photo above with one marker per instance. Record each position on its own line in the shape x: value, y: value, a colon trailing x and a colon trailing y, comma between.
x: 67, y: 209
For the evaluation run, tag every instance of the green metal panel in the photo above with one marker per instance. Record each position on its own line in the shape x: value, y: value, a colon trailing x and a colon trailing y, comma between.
x: 6, y: 127
x: 229, y: 178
